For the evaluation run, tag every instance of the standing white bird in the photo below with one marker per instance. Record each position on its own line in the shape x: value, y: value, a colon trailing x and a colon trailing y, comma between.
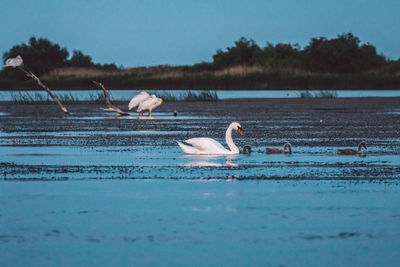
x: 208, y: 146
x: 14, y: 62
x: 136, y: 100
x: 149, y: 104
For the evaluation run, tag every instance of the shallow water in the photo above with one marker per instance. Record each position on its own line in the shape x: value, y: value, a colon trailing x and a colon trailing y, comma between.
x: 87, y: 146
x: 95, y: 189
x: 213, y: 223
x: 135, y: 162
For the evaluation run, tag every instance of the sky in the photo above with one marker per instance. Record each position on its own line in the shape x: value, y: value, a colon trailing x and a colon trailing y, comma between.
x: 184, y: 32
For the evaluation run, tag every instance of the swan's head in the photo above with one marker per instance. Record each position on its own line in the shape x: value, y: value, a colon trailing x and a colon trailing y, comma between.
x: 288, y: 147
x: 236, y: 126
x: 362, y: 144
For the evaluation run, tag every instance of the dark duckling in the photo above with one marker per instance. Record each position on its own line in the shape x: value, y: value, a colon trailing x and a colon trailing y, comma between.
x: 349, y: 151
x: 287, y: 149
x: 246, y: 149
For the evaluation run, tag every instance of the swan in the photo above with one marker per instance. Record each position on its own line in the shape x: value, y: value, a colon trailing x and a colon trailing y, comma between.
x: 149, y: 104
x: 136, y: 100
x: 287, y: 149
x: 14, y: 62
x: 349, y: 151
x: 208, y: 146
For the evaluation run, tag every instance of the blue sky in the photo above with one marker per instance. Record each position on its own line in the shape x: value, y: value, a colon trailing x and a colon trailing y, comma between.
x: 176, y: 32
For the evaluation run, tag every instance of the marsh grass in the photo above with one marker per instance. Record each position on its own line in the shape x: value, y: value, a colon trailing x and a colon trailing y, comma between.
x: 98, y: 97
x: 320, y: 94
x: 24, y: 97
x: 189, y: 96
x: 21, y: 98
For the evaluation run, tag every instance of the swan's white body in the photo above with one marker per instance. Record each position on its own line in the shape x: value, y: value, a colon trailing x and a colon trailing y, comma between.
x: 208, y: 146
x: 136, y: 100
x: 149, y: 104
x: 14, y: 62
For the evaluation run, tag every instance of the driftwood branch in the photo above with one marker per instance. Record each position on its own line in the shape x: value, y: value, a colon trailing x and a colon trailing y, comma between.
x: 110, y: 108
x: 33, y: 76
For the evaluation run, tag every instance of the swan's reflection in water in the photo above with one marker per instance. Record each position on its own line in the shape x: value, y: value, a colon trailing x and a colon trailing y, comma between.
x: 210, y: 160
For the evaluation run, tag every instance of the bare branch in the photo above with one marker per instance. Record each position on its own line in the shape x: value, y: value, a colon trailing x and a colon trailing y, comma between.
x: 107, y: 97
x: 33, y: 76
x: 110, y: 108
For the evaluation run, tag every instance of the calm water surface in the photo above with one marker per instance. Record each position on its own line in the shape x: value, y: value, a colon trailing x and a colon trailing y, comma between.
x: 199, y: 223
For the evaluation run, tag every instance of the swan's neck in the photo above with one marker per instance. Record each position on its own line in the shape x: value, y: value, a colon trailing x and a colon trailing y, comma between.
x: 359, y: 148
x: 229, y: 141
x: 287, y: 148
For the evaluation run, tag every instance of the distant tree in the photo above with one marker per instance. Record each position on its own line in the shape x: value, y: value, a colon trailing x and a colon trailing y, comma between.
x: 78, y: 59
x: 370, y: 59
x: 244, y: 52
x: 341, y: 55
x: 281, y: 56
x: 39, y: 55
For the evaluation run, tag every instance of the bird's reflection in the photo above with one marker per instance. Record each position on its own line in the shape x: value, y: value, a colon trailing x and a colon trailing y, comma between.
x: 210, y: 160
x: 229, y: 160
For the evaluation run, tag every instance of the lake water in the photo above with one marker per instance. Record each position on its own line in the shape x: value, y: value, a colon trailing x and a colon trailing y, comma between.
x: 199, y: 223
x: 95, y: 189
x: 126, y: 95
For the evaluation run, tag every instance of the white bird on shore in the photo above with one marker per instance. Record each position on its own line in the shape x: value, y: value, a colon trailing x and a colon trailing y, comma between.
x: 149, y: 104
x: 136, y: 100
x: 208, y: 146
x: 14, y: 62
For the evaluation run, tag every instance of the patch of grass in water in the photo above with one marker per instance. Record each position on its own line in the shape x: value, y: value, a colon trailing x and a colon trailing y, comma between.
x: 98, y: 98
x: 320, y: 94
x: 67, y: 98
x: 205, y: 95
x: 22, y: 98
x: 26, y: 98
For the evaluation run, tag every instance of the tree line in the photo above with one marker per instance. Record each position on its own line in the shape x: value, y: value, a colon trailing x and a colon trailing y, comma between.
x: 42, y: 56
x: 341, y: 55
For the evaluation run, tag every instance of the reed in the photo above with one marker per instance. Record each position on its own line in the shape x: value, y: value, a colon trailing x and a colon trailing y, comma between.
x: 23, y: 97
x: 320, y: 94
x: 189, y: 96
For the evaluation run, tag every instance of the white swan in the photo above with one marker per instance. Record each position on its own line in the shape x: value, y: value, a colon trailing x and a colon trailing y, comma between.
x: 136, y: 100
x: 208, y: 146
x: 14, y: 62
x: 149, y: 104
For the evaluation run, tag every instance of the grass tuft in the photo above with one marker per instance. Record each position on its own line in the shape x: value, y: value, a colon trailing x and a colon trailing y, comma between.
x: 189, y: 96
x: 320, y: 94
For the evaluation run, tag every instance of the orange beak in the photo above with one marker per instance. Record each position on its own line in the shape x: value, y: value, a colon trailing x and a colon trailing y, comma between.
x: 240, y: 131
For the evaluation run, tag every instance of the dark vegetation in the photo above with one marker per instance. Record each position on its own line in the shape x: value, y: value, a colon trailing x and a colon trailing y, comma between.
x: 41, y: 56
x: 338, y: 63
